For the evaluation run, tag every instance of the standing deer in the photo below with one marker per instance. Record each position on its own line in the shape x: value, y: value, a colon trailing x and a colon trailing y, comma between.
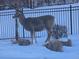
x: 35, y: 24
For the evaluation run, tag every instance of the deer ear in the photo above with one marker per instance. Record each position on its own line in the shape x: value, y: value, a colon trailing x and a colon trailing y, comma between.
x: 21, y: 9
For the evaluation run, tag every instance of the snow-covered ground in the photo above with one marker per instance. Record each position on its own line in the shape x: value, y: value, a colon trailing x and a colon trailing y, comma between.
x: 38, y: 51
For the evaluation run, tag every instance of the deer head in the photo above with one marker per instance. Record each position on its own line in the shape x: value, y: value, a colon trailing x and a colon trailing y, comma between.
x: 19, y: 11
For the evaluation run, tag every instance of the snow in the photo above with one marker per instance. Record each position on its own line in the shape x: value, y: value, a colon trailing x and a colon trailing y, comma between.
x: 38, y: 51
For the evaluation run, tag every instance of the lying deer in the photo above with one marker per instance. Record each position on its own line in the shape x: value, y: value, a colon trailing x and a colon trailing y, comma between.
x: 54, y: 45
x: 67, y: 43
x: 22, y: 42
x: 59, y: 31
x: 35, y: 24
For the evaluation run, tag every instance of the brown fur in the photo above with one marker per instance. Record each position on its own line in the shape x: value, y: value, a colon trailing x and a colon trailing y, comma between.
x: 35, y: 24
x: 67, y: 43
x: 21, y: 42
x: 59, y: 31
x: 54, y: 45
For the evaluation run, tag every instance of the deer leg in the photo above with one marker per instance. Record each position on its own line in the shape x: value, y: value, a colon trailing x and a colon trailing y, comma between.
x: 32, y: 36
x: 35, y: 38
x: 49, y: 35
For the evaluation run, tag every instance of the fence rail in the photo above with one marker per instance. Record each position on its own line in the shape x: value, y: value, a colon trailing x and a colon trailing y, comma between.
x: 67, y: 16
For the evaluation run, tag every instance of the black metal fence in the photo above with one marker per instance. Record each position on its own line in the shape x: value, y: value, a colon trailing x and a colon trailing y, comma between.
x: 67, y: 16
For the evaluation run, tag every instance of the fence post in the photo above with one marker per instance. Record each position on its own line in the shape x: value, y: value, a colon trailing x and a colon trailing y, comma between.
x: 23, y: 28
x: 23, y: 32
x: 71, y: 17
x: 16, y: 29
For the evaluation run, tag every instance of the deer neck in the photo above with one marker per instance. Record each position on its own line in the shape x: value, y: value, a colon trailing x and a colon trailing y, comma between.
x: 21, y: 18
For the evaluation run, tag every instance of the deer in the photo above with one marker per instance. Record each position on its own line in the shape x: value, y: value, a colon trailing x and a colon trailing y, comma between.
x: 35, y: 24
x: 54, y: 45
x: 59, y: 31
